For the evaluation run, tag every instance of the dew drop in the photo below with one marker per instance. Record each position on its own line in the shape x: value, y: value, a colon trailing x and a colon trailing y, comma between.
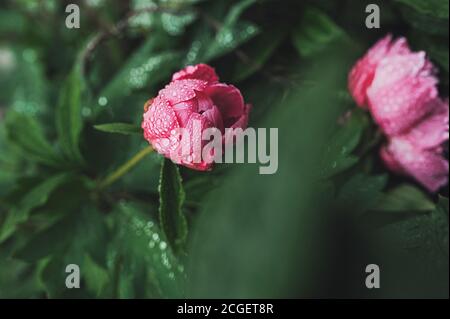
x: 102, y: 101
x: 165, y: 142
x: 86, y: 112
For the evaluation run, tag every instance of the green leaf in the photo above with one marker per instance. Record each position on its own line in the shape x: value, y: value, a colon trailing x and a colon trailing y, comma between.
x: 260, y: 51
x: 23, y: 82
x: 25, y: 132
x: 201, y: 39
x: 443, y: 205
x: 171, y: 197
x: 37, y: 197
x: 230, y: 37
x: 14, y: 271
x: 12, y: 21
x: 416, y: 247
x: 94, y: 279
x: 436, y: 8
x: 144, y: 265
x: 48, y: 241
x: 430, y: 17
x: 175, y: 24
x: 121, y: 128
x: 68, y: 115
x: 232, y: 32
x: 10, y: 164
x: 146, y: 19
x: 337, y: 156
x: 53, y: 277
x: 79, y: 238
x: 152, y: 62
x: 315, y: 33
x: 237, y: 10
x: 361, y: 192
x: 405, y: 198
x: 97, y: 278
x: 198, y: 187
x: 78, y: 232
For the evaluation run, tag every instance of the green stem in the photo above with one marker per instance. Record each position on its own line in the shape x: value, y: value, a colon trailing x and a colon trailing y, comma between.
x: 125, y: 168
x: 116, y: 276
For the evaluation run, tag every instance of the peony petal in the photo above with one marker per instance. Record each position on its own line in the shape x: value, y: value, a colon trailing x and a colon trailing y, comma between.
x: 397, y: 107
x: 214, y: 117
x: 362, y: 74
x: 432, y: 130
x: 395, y: 68
x: 159, y: 124
x: 390, y: 161
x: 204, y: 102
x: 166, y: 145
x: 398, y: 47
x: 159, y: 120
x: 206, y: 107
x: 228, y: 99
x: 183, y: 111
x: 191, y: 152
x: 200, y: 72
x: 242, y: 121
x: 360, y: 78
x: 182, y: 90
x: 428, y: 167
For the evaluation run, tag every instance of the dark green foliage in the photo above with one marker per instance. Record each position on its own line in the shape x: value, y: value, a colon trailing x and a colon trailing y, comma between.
x: 26, y: 134
x: 171, y: 199
x: 68, y: 115
x: 165, y: 231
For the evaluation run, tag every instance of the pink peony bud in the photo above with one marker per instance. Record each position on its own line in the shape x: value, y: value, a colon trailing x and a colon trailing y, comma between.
x: 400, y: 90
x: 193, y: 101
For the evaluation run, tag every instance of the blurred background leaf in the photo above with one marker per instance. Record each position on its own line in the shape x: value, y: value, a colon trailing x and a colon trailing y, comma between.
x: 121, y: 128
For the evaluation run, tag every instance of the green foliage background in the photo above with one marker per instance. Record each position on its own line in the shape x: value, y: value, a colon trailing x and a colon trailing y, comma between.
x: 163, y: 231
